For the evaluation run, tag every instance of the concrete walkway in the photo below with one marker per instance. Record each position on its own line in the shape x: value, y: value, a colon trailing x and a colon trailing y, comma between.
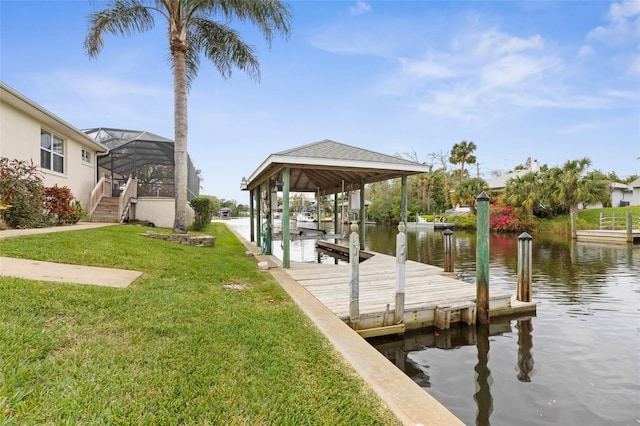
x: 60, y: 272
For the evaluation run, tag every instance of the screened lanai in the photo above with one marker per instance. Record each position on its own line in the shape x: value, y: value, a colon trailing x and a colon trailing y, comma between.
x: 144, y: 156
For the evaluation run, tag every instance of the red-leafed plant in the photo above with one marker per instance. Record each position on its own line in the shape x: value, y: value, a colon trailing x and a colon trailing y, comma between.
x: 505, y: 218
x: 60, y: 206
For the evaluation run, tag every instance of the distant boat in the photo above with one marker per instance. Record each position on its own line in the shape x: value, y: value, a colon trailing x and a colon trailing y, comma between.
x: 305, y: 217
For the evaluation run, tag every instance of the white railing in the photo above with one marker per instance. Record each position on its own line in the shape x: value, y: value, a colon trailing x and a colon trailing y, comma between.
x: 616, y: 221
x: 128, y: 194
x: 102, y: 189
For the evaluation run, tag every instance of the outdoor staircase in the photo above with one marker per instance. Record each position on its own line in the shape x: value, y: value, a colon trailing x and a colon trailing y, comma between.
x: 107, y: 210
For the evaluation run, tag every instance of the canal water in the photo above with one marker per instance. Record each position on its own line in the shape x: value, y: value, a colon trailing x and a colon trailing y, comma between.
x: 577, y: 362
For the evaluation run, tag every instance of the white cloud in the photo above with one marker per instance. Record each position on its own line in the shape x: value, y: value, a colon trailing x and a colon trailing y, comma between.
x: 494, y: 43
x: 512, y: 71
x: 360, y: 7
x: 425, y: 69
x: 623, y: 26
x: 581, y: 128
x: 585, y: 50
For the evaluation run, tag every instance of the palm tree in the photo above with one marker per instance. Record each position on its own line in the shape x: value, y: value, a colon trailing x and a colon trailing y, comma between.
x: 571, y: 186
x: 468, y: 190
x: 462, y: 153
x: 524, y: 191
x: 192, y: 31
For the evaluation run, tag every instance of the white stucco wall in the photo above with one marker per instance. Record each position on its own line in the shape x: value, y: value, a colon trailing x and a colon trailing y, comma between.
x: 20, y: 125
x: 160, y: 211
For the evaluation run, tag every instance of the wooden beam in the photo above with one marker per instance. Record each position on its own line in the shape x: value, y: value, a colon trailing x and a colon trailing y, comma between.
x: 382, y: 331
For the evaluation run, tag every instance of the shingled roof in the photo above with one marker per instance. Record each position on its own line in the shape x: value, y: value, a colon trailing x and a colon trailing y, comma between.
x: 328, y: 166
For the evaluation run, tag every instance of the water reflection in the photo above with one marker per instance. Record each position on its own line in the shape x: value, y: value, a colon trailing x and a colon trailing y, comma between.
x: 483, y: 398
x: 525, y: 344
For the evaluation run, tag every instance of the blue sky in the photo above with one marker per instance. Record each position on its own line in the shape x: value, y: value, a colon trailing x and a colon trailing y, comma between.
x: 550, y: 80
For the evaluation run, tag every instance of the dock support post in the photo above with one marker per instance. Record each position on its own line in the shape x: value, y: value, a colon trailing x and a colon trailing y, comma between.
x: 286, y: 241
x: 268, y: 231
x: 258, y: 218
x: 448, y: 250
x: 362, y: 213
x: 401, y: 260
x: 403, y: 200
x: 354, y: 283
x: 482, y: 258
x: 252, y: 214
x: 629, y: 227
x: 524, y: 268
x: 335, y: 214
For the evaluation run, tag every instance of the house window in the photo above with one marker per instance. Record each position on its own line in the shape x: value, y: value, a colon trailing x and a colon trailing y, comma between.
x: 86, y: 157
x: 51, y: 152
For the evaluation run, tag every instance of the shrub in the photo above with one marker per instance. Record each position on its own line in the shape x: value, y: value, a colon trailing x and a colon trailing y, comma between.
x: 21, y: 187
x: 203, y: 208
x: 507, y: 219
x: 60, y: 206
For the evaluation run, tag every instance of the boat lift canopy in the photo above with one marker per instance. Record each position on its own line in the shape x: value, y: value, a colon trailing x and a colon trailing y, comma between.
x: 325, y: 168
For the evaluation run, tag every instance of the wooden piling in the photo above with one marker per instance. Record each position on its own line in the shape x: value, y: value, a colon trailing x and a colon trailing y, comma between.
x: 448, y: 250
x: 629, y: 227
x: 401, y: 260
x: 354, y: 283
x: 524, y: 268
x: 482, y: 258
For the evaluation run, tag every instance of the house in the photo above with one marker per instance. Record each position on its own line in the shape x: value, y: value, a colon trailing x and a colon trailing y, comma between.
x: 498, y: 183
x: 621, y: 194
x: 115, y: 174
x: 65, y: 155
x: 635, y: 196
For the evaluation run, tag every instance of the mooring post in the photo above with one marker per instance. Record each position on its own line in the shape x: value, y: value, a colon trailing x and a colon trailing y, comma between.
x: 602, y: 226
x: 401, y: 260
x: 448, y: 250
x: 629, y: 227
x: 482, y: 258
x: 524, y: 267
x: 354, y: 283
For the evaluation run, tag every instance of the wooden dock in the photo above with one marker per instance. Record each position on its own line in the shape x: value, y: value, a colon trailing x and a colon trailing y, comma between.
x: 432, y: 297
x: 608, y: 236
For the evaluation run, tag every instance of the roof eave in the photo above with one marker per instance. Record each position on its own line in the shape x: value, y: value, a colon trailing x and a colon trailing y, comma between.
x: 85, y: 139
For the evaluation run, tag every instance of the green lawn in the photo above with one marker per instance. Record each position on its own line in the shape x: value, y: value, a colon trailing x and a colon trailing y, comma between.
x: 176, y: 347
x: 590, y: 218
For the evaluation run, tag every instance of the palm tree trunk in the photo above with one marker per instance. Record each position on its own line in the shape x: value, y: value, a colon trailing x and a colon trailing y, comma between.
x: 180, y: 143
x: 573, y: 213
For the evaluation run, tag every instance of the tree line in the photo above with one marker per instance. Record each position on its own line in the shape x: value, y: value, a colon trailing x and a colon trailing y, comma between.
x: 536, y: 192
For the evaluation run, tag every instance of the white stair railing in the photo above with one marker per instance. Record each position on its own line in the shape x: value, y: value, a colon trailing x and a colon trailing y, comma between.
x: 128, y: 195
x: 102, y: 189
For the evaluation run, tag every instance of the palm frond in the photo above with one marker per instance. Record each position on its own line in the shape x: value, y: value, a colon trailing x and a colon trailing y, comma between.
x: 269, y: 16
x: 222, y: 46
x: 121, y: 17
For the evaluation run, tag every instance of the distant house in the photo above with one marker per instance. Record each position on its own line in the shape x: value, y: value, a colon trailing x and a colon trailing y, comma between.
x: 635, y: 196
x: 621, y: 194
x: 64, y: 155
x: 498, y: 183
